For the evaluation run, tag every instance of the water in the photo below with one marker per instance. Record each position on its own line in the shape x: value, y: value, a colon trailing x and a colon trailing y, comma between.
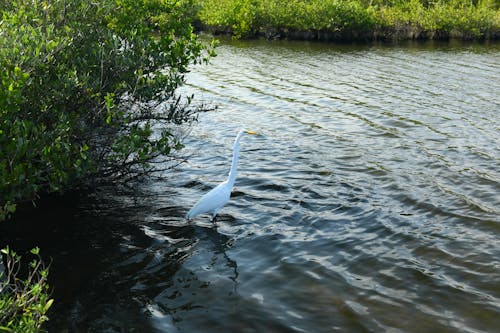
x: 369, y: 202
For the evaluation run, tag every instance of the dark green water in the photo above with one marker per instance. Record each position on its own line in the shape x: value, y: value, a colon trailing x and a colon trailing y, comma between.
x: 370, y: 202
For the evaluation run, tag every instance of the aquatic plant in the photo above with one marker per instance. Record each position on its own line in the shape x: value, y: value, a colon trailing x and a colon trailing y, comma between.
x: 24, y: 302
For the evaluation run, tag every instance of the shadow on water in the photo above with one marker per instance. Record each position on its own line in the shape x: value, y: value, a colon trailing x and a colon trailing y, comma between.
x: 313, y: 47
x: 107, y: 263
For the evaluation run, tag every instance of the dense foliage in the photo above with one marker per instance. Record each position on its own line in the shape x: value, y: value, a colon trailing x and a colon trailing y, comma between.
x: 88, y: 90
x: 367, y: 18
x: 23, y: 302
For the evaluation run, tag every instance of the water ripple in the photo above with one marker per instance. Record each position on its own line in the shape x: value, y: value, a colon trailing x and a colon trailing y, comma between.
x: 377, y: 199
x: 368, y: 203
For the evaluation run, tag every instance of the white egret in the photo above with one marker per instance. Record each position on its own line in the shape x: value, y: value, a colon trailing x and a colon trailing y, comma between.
x: 213, y: 201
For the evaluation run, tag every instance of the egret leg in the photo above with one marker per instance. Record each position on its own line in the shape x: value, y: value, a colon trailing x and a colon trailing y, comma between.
x: 214, y: 216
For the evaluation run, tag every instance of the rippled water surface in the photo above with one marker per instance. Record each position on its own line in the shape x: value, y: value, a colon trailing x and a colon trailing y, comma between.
x: 369, y: 202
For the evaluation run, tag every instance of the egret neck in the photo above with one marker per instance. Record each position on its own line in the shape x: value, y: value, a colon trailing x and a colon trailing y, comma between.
x: 234, y: 164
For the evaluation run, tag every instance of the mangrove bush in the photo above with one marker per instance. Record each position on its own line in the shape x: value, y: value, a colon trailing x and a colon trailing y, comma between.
x: 88, y: 91
x: 348, y: 19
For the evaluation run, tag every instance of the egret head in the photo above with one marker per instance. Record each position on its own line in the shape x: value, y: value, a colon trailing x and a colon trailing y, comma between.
x: 241, y: 133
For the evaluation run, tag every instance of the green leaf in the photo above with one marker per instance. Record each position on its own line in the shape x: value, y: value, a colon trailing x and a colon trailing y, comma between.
x: 48, y: 305
x: 73, y: 68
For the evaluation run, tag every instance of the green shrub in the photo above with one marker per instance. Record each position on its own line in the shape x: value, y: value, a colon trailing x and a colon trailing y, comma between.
x: 461, y: 16
x: 314, y: 14
x: 453, y: 16
x: 237, y: 15
x: 246, y: 17
x: 23, y: 302
x: 88, y: 90
x: 404, y: 13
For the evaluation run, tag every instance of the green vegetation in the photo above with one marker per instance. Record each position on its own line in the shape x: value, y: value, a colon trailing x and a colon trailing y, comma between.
x: 367, y: 19
x: 23, y: 302
x: 88, y: 91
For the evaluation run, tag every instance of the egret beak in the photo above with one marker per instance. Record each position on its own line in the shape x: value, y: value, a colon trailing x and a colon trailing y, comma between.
x: 251, y: 132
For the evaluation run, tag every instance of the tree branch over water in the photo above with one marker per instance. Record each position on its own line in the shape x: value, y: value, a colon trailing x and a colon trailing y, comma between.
x: 88, y: 91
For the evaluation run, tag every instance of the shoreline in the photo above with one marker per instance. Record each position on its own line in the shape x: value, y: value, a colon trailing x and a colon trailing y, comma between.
x: 401, y: 33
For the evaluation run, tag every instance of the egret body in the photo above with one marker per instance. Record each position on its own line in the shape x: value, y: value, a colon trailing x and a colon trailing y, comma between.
x: 216, y: 198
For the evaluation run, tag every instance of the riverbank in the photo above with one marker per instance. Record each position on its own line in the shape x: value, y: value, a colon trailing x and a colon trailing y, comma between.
x: 350, y: 19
